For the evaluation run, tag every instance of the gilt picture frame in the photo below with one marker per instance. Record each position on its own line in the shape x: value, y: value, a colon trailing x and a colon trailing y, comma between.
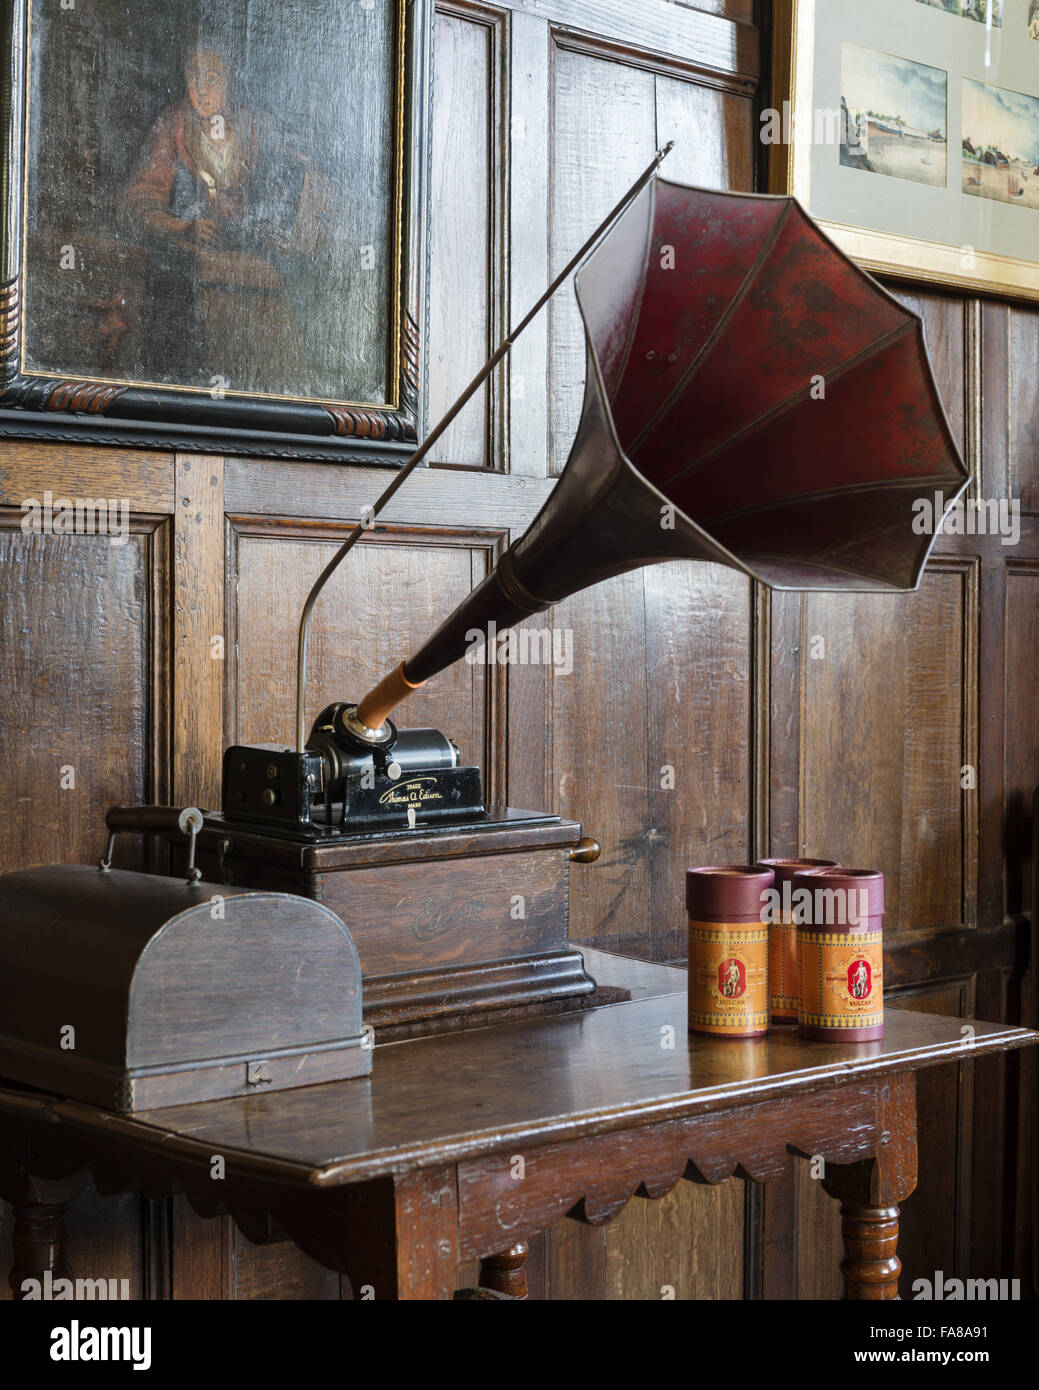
x: 909, y: 129
x: 215, y: 224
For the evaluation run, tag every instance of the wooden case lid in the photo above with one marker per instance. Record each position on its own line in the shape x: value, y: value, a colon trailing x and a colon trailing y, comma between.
x: 208, y: 989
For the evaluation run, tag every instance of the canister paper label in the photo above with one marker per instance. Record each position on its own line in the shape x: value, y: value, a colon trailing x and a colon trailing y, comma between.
x: 782, y: 967
x: 842, y: 979
x: 728, y: 977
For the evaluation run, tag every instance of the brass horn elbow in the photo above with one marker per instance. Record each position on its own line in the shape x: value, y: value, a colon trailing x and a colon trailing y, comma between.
x: 383, y: 699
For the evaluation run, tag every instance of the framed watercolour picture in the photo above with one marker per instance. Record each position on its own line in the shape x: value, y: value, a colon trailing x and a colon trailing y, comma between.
x: 214, y: 224
x: 910, y: 130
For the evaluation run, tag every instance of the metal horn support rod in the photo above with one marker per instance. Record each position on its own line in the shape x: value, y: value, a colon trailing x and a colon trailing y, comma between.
x: 431, y: 439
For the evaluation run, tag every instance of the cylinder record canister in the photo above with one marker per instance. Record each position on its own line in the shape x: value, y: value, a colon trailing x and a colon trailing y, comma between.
x: 728, y: 950
x: 782, y: 937
x: 840, y: 951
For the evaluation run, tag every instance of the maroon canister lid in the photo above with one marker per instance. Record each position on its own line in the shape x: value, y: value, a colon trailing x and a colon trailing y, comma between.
x: 868, y: 881
x: 727, y: 890
x: 784, y: 869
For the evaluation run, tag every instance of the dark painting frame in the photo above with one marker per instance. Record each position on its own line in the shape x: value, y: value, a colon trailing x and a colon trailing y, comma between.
x: 99, y: 410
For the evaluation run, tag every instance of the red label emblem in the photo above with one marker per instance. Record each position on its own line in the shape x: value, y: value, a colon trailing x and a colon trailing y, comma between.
x: 732, y: 978
x: 860, y: 979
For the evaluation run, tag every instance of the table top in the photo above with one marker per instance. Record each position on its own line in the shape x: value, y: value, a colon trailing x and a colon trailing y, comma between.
x: 461, y: 1095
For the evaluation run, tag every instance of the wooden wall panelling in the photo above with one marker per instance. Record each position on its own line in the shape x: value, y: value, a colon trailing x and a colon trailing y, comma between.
x: 990, y: 1157
x: 687, y: 109
x: 468, y: 251
x: 604, y: 134
x: 995, y: 388
x: 529, y: 735
x: 199, y: 640
x: 601, y: 758
x: 818, y: 1239
x: 398, y: 583
x: 687, y: 1245
x: 881, y: 781
x: 144, y: 480
x: 81, y: 667
x: 1022, y: 397
x: 202, y: 1254
x: 698, y: 754
x: 280, y: 1271
x: 1021, y: 744
x: 529, y: 188
x: 84, y: 670
x: 706, y: 45
x: 432, y: 497
x: 950, y: 331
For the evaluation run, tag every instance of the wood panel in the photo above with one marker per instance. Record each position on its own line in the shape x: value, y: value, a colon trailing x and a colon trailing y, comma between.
x: 601, y: 759
x: 817, y: 1237
x: 198, y: 639
x: 1022, y: 729
x: 604, y: 135
x: 698, y: 757
x: 945, y: 332
x: 530, y: 57
x: 465, y: 251
x: 80, y: 664
x: 1022, y: 397
x: 944, y: 1118
x: 687, y: 1245
x: 884, y: 741
x: 684, y: 111
x: 396, y: 587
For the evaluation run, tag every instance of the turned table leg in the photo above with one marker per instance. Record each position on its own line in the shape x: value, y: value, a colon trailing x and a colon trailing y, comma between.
x: 871, y: 1265
x: 869, y: 1193
x: 39, y: 1244
x: 506, y: 1272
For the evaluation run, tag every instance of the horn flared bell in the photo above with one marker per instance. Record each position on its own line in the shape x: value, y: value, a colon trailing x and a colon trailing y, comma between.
x: 752, y: 398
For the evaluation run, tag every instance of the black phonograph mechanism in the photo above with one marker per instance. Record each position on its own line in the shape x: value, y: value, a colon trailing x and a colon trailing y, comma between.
x: 752, y: 399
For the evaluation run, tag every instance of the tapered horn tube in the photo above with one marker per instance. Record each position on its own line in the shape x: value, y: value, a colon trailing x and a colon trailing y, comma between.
x: 500, y: 599
x: 379, y: 703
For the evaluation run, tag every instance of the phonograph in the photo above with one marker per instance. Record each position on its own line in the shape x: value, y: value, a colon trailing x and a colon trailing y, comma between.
x: 753, y: 399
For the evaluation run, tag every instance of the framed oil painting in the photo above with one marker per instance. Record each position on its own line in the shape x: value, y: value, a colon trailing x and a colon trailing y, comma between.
x: 215, y: 222
x: 910, y: 130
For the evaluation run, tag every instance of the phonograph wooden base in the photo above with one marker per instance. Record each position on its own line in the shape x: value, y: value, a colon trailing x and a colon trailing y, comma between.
x: 457, y: 927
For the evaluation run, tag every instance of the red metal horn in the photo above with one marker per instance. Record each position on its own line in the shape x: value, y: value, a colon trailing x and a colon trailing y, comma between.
x: 752, y: 398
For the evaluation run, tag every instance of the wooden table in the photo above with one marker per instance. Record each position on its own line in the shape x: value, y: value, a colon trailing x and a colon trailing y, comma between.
x: 462, y: 1146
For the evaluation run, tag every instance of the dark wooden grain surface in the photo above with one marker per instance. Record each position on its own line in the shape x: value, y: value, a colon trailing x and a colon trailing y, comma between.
x: 444, y: 1098
x: 357, y: 1176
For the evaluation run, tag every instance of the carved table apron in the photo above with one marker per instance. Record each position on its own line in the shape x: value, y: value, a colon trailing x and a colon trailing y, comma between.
x: 463, y: 1146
